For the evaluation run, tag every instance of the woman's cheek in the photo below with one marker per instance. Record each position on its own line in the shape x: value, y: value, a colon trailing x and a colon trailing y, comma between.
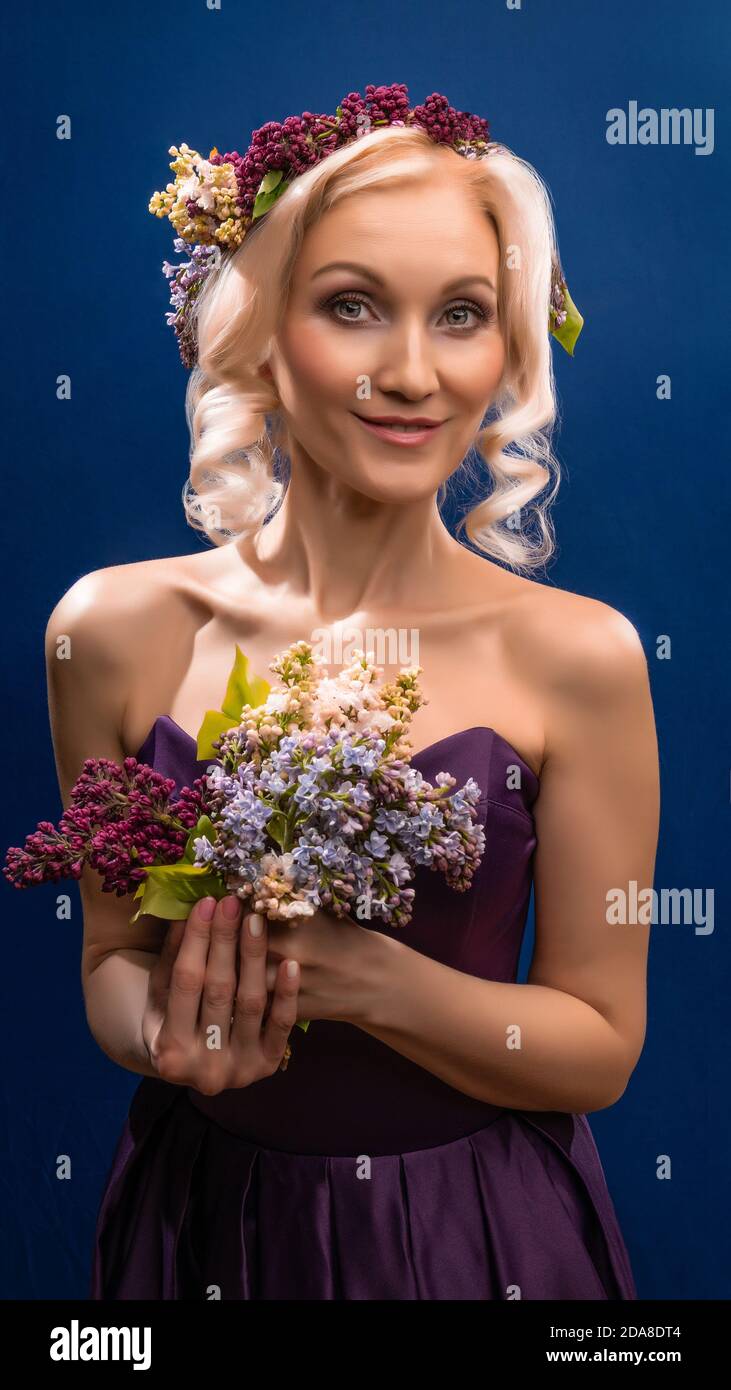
x: 326, y: 363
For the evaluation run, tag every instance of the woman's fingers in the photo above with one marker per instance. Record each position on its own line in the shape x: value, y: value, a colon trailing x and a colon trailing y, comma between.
x: 283, y: 1012
x: 251, y: 994
x: 213, y: 970
x: 221, y: 974
x: 189, y: 972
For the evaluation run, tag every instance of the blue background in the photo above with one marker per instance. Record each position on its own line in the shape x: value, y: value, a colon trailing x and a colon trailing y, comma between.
x: 96, y: 481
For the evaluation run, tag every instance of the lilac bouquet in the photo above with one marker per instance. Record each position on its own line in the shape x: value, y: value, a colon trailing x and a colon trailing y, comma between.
x: 309, y: 802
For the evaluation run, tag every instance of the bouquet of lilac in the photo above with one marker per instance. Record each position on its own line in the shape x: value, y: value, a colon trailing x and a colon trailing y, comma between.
x: 314, y: 803
x: 309, y: 802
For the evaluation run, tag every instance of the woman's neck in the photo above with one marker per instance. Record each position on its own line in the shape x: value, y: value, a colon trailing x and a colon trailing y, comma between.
x: 349, y: 554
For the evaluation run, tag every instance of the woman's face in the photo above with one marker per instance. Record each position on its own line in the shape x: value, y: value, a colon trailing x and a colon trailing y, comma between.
x: 392, y: 312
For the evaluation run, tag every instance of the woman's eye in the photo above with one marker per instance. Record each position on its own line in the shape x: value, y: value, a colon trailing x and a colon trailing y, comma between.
x: 467, y: 315
x: 347, y: 308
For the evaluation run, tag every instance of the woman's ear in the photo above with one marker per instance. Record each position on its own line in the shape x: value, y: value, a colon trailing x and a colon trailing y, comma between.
x: 266, y: 376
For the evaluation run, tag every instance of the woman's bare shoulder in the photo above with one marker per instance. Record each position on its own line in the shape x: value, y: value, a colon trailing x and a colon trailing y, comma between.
x: 584, y: 664
x: 103, y: 606
x: 570, y: 640
x: 113, y: 628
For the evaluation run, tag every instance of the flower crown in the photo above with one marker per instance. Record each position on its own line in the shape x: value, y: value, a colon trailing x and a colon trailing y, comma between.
x: 213, y: 202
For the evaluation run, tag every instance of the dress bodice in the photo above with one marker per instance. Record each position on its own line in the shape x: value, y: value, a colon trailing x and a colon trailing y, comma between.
x: 343, y: 1088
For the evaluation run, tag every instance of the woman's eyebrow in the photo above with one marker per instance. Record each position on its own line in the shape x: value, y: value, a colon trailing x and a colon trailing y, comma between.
x: 377, y: 280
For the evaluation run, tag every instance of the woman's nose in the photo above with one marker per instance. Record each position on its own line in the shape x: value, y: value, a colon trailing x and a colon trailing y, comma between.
x: 407, y: 362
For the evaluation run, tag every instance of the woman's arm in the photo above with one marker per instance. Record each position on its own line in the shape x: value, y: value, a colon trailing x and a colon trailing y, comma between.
x: 580, y: 1019
x: 116, y: 994
x: 87, y: 665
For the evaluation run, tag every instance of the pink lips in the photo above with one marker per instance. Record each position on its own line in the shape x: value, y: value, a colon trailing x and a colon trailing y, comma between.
x: 387, y: 427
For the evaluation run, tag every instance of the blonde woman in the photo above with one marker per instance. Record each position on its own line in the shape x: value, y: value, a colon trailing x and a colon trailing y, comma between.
x: 383, y: 322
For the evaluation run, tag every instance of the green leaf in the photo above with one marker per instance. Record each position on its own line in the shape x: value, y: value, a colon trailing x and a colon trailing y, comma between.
x: 267, y: 197
x: 270, y: 181
x: 572, y: 325
x: 277, y: 827
x: 170, y: 890
x: 205, y: 827
x: 243, y: 689
x: 303, y: 1023
x: 214, y: 724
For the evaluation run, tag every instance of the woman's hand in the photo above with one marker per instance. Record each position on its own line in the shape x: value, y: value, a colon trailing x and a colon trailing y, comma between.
x: 341, y: 965
x: 204, y: 1024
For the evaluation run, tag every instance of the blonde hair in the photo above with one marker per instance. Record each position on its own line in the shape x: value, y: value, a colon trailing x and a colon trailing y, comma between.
x: 236, y: 432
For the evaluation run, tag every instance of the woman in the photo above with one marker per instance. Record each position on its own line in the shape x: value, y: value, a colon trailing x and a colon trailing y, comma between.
x: 428, y: 1139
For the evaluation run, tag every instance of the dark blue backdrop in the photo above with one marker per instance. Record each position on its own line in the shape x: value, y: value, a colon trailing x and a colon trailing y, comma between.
x: 95, y: 481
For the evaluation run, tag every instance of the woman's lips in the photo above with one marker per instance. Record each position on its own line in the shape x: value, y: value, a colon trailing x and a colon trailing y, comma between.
x: 400, y: 434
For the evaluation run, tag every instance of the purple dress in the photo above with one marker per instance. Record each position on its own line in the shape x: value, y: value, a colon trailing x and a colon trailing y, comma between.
x: 355, y: 1173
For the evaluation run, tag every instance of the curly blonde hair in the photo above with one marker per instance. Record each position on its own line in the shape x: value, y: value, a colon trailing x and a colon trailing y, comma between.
x: 238, y: 440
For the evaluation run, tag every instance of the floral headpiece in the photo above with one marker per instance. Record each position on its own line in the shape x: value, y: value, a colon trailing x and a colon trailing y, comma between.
x: 213, y: 202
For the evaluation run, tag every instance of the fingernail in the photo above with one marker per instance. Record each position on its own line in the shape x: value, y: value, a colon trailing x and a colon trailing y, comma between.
x: 206, y: 908
x: 292, y: 967
x: 256, y: 924
x: 231, y: 907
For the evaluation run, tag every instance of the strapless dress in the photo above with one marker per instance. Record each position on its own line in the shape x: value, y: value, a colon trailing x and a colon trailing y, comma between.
x: 355, y: 1173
